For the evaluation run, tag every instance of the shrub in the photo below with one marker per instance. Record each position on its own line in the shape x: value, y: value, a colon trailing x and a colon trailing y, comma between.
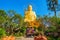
x: 2, y: 32
x: 59, y: 38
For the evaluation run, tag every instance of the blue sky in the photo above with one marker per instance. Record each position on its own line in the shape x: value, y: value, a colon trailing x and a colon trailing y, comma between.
x: 39, y: 6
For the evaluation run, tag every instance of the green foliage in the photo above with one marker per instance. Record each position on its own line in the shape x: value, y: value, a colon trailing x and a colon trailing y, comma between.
x: 59, y: 38
x: 2, y: 32
x: 22, y: 32
x: 55, y: 19
x: 2, y: 13
x: 14, y: 20
x: 51, y: 29
x: 39, y: 28
x: 18, y: 34
x: 51, y: 38
x: 10, y: 19
x: 23, y: 29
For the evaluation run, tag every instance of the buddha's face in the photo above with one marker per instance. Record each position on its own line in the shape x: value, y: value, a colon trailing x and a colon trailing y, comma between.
x: 30, y: 8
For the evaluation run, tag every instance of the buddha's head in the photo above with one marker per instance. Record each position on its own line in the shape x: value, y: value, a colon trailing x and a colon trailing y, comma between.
x: 30, y: 8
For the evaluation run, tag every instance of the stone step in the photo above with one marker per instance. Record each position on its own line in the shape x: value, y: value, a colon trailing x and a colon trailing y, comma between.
x: 22, y: 38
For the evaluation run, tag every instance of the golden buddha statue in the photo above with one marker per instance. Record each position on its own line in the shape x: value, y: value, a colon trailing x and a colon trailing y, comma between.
x: 29, y: 15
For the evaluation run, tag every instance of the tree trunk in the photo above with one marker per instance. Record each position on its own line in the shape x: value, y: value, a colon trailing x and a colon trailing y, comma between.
x: 54, y: 9
x: 55, y: 13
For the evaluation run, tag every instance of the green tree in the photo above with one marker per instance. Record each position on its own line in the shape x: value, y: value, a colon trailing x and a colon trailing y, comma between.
x: 2, y: 18
x: 2, y: 13
x: 15, y: 20
x: 52, y: 5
